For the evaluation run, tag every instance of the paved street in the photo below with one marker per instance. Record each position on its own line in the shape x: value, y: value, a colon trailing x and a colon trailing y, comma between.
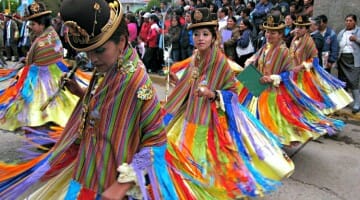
x: 327, y: 169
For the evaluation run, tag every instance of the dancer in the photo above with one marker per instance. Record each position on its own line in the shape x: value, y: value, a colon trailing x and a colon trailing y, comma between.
x: 216, y: 147
x: 309, y: 76
x: 38, y: 80
x: 277, y: 108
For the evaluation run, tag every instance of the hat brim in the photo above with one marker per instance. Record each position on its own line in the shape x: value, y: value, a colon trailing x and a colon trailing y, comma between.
x: 115, y: 18
x: 202, y: 24
x: 38, y: 15
x: 305, y: 24
x: 279, y: 27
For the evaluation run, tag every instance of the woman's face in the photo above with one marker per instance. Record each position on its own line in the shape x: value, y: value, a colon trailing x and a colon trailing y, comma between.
x: 288, y: 20
x: 242, y: 26
x: 350, y: 23
x: 300, y: 31
x: 174, y: 22
x: 230, y: 23
x: 36, y: 28
x: 105, y: 56
x: 202, y: 39
x: 273, y: 37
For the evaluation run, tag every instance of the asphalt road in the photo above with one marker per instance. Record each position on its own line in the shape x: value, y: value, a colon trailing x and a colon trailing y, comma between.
x: 326, y: 169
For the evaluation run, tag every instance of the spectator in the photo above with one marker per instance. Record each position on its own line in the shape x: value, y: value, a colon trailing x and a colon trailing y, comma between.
x: 244, y: 45
x: 289, y: 29
x: 317, y: 37
x: 132, y: 28
x: 349, y: 60
x: 11, y: 32
x: 222, y: 17
x: 331, y: 47
x: 308, y: 8
x: 152, y: 59
x: 174, y: 35
x: 186, y: 40
x: 259, y: 13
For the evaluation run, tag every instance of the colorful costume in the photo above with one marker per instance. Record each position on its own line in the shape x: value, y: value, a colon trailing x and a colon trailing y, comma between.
x: 316, y: 82
x: 20, y: 103
x: 218, y: 150
x: 284, y: 108
x: 124, y: 124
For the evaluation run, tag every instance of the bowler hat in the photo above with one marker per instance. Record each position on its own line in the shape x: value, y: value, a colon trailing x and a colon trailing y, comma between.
x: 274, y: 22
x: 302, y: 20
x: 202, y: 17
x: 36, y: 9
x: 91, y: 23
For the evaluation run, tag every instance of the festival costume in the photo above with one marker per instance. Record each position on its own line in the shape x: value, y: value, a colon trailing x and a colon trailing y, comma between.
x: 314, y: 81
x: 281, y: 107
x: 219, y: 150
x: 123, y: 123
x: 116, y: 131
x: 35, y: 83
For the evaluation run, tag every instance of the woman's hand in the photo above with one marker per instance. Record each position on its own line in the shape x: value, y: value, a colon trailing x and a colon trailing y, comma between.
x: 72, y: 86
x: 204, y: 91
x: 298, y: 68
x: 266, y: 79
x: 173, y: 78
x: 116, y: 191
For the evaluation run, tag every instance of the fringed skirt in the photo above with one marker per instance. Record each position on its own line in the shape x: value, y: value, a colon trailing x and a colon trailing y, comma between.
x: 286, y: 114
x: 322, y: 87
x: 233, y: 157
x: 21, y: 102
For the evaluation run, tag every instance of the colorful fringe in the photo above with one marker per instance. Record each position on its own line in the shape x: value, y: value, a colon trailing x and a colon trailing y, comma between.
x: 20, y: 103
x: 322, y: 87
x: 289, y: 113
x: 233, y: 158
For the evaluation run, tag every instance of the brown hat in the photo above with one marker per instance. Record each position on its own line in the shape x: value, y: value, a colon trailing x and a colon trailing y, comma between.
x: 274, y: 22
x: 36, y: 9
x: 91, y: 23
x: 202, y: 17
x: 302, y: 20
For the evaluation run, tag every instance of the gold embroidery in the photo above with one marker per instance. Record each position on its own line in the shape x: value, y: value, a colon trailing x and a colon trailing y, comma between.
x: 198, y: 15
x: 35, y: 7
x: 270, y: 21
x: 145, y: 92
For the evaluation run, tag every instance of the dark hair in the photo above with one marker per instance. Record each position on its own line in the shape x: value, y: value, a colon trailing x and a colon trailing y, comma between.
x: 246, y: 11
x: 353, y: 16
x: 247, y: 23
x: 233, y: 18
x: 177, y: 18
x: 225, y: 10
x: 323, y: 18
x: 212, y: 30
x: 131, y: 17
x: 122, y: 30
x: 43, y: 20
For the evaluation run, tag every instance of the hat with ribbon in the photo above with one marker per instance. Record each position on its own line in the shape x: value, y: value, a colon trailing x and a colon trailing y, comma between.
x: 36, y: 9
x: 202, y: 17
x: 90, y: 23
x: 274, y: 22
x: 302, y: 20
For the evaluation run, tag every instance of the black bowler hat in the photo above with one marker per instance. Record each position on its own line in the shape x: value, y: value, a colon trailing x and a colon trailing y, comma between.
x: 91, y: 23
x: 201, y: 17
x: 274, y: 22
x: 302, y: 20
x: 36, y: 9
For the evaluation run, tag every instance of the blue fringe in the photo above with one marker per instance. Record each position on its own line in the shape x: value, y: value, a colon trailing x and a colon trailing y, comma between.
x: 163, y: 177
x: 329, y: 78
x: 167, y: 119
x: 30, y: 83
x: 73, y: 190
x: 266, y: 184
